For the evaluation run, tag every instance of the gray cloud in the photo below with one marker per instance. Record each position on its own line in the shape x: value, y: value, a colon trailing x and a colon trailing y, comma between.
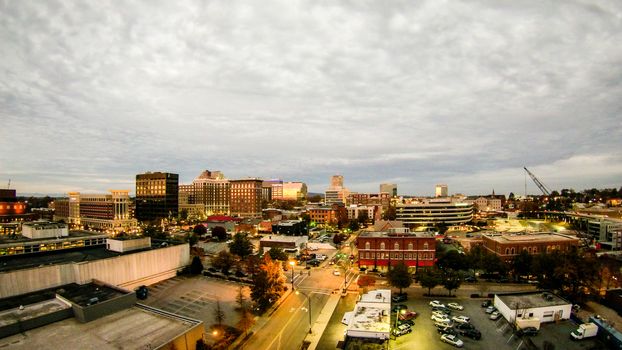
x: 415, y: 93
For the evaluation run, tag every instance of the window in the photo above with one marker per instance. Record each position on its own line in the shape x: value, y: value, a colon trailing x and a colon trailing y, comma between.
x: 512, y: 251
x: 507, y: 251
x: 410, y: 246
x: 382, y: 246
x: 367, y: 245
x: 548, y: 314
x: 425, y: 246
x: 396, y: 246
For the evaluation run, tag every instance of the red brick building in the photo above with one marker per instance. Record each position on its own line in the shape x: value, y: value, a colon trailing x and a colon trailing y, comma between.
x: 507, y: 246
x: 379, y: 249
x: 246, y: 198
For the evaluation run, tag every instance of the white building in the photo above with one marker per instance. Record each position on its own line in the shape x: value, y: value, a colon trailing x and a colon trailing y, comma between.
x: 434, y: 212
x: 525, y: 308
x: 371, y: 317
x: 44, y: 229
x: 441, y: 190
x: 368, y: 210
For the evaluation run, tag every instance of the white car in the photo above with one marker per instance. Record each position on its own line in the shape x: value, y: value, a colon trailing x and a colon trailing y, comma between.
x: 495, y: 315
x: 441, y: 319
x: 461, y: 319
x: 452, y: 339
x: 491, y: 309
x: 336, y: 273
x: 455, y: 306
x: 434, y: 303
x: 439, y: 314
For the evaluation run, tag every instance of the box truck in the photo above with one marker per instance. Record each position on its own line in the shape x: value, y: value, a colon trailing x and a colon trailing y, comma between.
x: 586, y: 330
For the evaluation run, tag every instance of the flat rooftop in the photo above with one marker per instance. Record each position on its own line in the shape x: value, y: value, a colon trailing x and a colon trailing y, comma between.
x: 538, y: 237
x: 83, y: 294
x: 282, y: 238
x: 72, y: 234
x: 531, y: 300
x: 26, y: 312
x: 133, y: 328
x: 372, y: 314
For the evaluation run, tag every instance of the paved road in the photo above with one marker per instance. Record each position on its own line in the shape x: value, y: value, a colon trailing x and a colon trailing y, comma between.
x: 289, y: 325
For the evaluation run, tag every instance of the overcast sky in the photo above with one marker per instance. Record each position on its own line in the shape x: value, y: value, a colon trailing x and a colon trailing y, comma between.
x: 409, y: 92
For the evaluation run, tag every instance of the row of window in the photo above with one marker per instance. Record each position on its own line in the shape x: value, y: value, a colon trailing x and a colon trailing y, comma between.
x: 15, y: 206
x: 35, y: 248
x: 531, y: 250
x: 397, y: 256
x: 396, y: 246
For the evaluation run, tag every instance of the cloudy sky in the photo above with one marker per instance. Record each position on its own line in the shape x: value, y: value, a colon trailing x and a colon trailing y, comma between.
x: 410, y: 92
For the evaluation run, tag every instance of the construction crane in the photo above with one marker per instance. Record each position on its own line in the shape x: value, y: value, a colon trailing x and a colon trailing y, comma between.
x: 538, y: 183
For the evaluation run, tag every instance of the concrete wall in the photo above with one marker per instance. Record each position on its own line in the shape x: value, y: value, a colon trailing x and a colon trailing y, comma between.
x: 556, y: 312
x: 127, y: 245
x: 92, y: 312
x: 128, y: 271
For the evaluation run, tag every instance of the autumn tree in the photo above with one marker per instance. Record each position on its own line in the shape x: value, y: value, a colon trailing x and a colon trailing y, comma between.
x: 268, y: 284
x: 223, y: 261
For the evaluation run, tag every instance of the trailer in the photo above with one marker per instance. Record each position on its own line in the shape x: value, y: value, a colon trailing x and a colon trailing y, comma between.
x: 586, y: 330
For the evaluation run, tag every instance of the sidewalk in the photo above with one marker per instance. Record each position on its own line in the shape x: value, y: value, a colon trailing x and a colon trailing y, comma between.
x: 322, y: 320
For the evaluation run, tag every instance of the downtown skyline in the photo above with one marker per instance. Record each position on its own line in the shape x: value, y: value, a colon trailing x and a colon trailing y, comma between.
x: 412, y: 94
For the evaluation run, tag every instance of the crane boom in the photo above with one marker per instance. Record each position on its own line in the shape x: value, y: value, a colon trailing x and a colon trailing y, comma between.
x: 538, y: 183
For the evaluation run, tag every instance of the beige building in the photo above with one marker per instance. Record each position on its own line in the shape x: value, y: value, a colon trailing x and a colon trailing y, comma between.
x: 99, y: 212
x: 209, y: 194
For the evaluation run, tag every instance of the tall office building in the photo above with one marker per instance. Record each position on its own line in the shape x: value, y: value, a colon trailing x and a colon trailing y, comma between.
x: 157, y: 196
x: 272, y: 190
x: 441, y: 190
x: 336, y: 193
x: 246, y: 198
x: 336, y: 181
x: 391, y: 189
x: 213, y: 191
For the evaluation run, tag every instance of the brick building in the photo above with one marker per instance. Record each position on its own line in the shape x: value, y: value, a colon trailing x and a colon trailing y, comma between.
x: 379, y: 249
x: 246, y: 198
x: 507, y: 246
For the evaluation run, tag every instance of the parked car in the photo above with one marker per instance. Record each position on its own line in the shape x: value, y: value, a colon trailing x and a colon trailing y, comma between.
x: 336, y: 273
x: 471, y: 333
x: 408, y: 315
x: 486, y: 303
x: 436, y: 303
x: 399, y: 332
x: 495, y: 315
x: 442, y: 309
x: 452, y: 339
x: 446, y: 329
x: 440, y: 318
x: 464, y: 326
x: 408, y: 322
x: 527, y: 331
x: 314, y: 262
x: 455, y: 306
x: 461, y: 319
x: 398, y: 307
x: 398, y: 298
x: 491, y: 309
x: 439, y: 314
x: 470, y: 279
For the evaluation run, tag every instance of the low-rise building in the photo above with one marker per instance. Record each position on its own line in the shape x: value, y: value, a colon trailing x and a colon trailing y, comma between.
x: 44, y: 229
x: 378, y: 250
x: 284, y: 242
x: 430, y: 212
x: 529, y: 307
x: 370, y: 321
x: 507, y: 246
x: 290, y: 228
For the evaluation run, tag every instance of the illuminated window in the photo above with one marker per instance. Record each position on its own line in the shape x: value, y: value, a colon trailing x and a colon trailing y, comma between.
x: 367, y: 245
x: 410, y: 246
x: 382, y: 245
x: 425, y: 246
x: 396, y: 246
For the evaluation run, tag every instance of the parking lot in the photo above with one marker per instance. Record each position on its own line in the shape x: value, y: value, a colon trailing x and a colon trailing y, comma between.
x: 496, y: 335
x: 196, y: 297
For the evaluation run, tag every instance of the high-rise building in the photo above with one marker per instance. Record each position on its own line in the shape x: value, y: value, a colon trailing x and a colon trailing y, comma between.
x: 391, y: 189
x: 246, y: 198
x: 441, y: 190
x: 336, y: 193
x: 213, y: 191
x: 272, y: 190
x: 157, y: 196
x: 336, y: 181
x: 294, y: 191
x: 99, y: 212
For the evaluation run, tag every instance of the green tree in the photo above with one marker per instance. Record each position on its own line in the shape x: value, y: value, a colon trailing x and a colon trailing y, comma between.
x: 429, y: 278
x: 241, y: 245
x: 223, y: 261
x: 220, y: 233
x: 453, y: 260
x: 200, y: 230
x: 183, y: 214
x: 399, y: 276
x: 196, y: 266
x: 451, y: 280
x: 362, y: 217
x: 277, y: 253
x: 390, y: 213
x: 521, y: 266
x: 268, y: 284
x: 353, y: 225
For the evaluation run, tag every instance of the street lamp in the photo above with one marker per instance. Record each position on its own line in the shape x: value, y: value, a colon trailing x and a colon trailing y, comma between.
x: 292, y: 263
x: 397, y: 317
x: 309, y: 303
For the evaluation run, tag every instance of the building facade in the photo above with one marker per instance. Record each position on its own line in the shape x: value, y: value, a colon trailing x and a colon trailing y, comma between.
x: 391, y: 189
x: 441, y: 190
x: 507, y: 246
x: 246, y: 198
x: 434, y: 212
x: 157, y: 196
x: 378, y: 250
x: 99, y: 212
x: 10, y: 208
x: 294, y: 191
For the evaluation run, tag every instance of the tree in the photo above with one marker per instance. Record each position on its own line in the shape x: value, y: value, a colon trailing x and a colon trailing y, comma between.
x: 429, y: 278
x: 390, y: 213
x: 453, y: 260
x: 268, y: 284
x: 192, y: 239
x: 353, y: 225
x: 223, y: 261
x: 246, y: 321
x: 196, y: 267
x: 252, y: 263
x: 183, y: 214
x: 399, y: 276
x: 200, y: 230
x: 220, y: 233
x: 240, y: 299
x: 339, y: 237
x: 521, y: 265
x: 219, y: 315
x: 241, y: 245
x: 362, y: 217
x: 451, y: 280
x: 366, y: 281
x: 277, y: 253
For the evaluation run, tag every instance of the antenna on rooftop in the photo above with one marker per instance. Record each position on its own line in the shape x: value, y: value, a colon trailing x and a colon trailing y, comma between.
x: 8, y: 187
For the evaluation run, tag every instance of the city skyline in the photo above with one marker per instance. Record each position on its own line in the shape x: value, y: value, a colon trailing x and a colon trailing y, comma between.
x: 411, y: 94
